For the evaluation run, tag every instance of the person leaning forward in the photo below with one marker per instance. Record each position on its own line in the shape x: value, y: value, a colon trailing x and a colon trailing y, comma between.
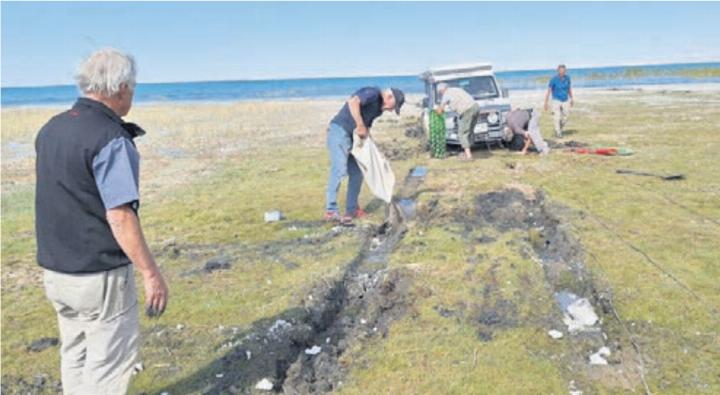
x: 358, y: 114
x: 523, y: 127
x: 468, y: 113
x: 89, y: 237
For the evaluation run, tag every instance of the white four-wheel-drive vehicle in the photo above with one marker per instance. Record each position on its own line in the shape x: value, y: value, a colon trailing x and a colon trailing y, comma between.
x: 479, y: 81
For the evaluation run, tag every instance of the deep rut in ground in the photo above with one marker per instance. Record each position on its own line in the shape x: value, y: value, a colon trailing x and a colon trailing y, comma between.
x: 550, y: 243
x: 301, y: 350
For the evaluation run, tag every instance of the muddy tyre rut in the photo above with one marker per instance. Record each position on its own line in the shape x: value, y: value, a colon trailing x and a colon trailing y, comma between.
x: 305, y: 349
x: 302, y: 350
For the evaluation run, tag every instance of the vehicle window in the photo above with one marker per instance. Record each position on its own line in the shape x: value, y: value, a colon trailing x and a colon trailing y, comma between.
x: 478, y: 87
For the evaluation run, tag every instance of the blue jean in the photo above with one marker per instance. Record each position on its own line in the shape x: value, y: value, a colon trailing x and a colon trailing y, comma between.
x: 339, y: 144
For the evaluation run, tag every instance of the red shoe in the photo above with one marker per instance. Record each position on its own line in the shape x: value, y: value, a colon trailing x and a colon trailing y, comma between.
x: 331, y: 216
x: 359, y: 214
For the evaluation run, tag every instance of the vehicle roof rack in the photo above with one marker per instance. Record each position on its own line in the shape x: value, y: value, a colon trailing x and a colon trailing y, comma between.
x: 446, y: 71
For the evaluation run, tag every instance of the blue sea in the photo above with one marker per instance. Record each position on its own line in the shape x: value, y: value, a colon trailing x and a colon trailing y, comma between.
x: 608, y: 77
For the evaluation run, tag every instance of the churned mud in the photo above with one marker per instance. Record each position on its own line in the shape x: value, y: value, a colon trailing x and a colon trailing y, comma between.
x: 302, y: 350
x: 594, y: 348
x: 583, y: 308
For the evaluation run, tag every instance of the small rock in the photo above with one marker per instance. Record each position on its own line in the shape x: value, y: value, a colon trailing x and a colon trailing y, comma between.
x: 248, y: 354
x: 219, y: 263
x: 327, y: 340
x: 293, y: 228
x: 42, y: 344
x: 220, y: 375
x: 180, y: 327
x: 139, y: 367
x: 555, y: 334
x: 363, y: 321
x: 314, y: 350
x: 264, y: 384
x: 599, y: 357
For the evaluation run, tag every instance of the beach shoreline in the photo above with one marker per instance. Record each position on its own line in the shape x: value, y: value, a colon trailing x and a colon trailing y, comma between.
x: 412, y: 97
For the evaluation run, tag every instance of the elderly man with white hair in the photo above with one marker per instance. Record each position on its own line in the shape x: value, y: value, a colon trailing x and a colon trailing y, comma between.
x: 467, y: 109
x: 89, y: 236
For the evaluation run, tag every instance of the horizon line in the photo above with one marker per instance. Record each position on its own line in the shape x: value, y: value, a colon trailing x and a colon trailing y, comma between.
x: 397, y: 74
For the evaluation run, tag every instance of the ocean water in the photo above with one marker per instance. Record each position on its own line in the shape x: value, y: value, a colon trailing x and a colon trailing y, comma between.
x: 341, y: 87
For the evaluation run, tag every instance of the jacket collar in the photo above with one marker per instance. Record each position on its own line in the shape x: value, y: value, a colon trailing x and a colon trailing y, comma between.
x: 95, y: 105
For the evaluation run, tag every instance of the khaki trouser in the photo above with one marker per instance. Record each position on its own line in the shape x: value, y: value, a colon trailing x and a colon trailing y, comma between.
x: 535, y: 135
x: 99, y: 329
x: 561, y: 110
x: 466, y: 124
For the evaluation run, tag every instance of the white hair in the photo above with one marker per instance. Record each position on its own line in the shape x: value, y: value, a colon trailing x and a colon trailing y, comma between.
x: 441, y: 86
x: 105, y: 71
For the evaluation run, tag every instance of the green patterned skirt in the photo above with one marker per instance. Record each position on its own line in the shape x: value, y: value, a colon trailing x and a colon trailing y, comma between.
x: 437, y: 135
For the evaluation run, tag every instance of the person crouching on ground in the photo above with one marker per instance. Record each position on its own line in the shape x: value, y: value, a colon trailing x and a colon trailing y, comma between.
x: 468, y: 113
x: 354, y: 118
x: 88, y: 232
x: 524, y: 128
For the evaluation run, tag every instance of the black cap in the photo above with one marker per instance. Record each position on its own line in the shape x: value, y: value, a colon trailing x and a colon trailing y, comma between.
x: 399, y: 99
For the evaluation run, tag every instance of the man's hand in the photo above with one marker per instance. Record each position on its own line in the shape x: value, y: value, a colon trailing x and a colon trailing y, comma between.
x: 572, y: 102
x: 126, y: 229
x: 354, y: 106
x: 156, y: 293
x: 546, y: 106
x: 361, y: 131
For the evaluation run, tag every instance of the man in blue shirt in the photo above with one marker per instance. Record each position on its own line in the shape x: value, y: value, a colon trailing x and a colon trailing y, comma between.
x: 355, y: 118
x: 562, y: 98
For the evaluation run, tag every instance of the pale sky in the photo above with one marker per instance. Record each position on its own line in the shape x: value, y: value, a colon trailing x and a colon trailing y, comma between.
x: 188, y: 41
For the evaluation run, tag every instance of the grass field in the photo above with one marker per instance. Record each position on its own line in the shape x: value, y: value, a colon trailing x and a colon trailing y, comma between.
x: 479, y: 305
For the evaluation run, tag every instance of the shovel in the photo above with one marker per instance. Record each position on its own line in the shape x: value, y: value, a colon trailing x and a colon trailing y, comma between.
x: 668, y: 177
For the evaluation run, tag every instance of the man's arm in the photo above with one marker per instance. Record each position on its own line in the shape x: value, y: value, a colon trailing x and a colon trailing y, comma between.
x: 527, y: 140
x: 126, y: 229
x: 547, y: 96
x: 354, y: 106
x: 572, y: 99
x: 444, y: 102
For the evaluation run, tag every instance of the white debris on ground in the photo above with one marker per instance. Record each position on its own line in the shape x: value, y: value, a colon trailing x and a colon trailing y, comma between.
x: 248, y: 354
x: 220, y: 375
x: 580, y: 316
x: 555, y: 334
x: 314, y: 350
x: 273, y: 216
x: 264, y: 384
x: 137, y: 368
x: 599, y: 357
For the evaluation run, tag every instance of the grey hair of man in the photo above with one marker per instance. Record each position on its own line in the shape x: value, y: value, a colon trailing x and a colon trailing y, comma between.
x: 105, y: 72
x: 441, y: 87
